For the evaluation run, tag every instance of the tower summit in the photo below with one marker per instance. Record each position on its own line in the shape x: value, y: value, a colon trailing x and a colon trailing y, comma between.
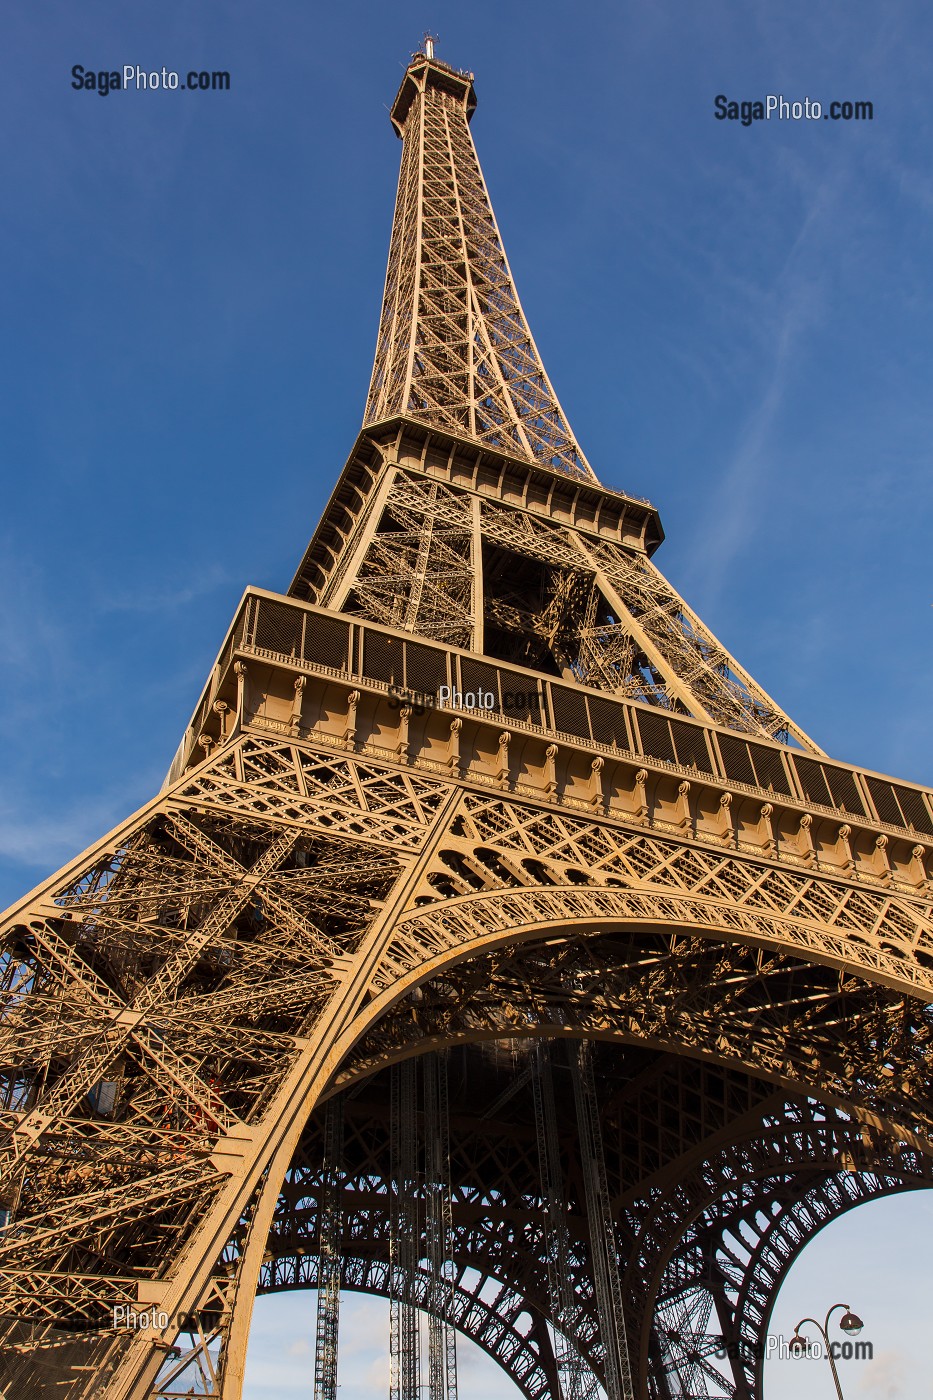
x: 454, y: 349
x: 480, y: 779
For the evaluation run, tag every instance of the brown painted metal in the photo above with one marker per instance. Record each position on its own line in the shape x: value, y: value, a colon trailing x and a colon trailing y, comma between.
x: 454, y: 348
x: 620, y: 837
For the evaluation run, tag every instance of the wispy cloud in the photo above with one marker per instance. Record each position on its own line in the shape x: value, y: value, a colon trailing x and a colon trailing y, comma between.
x: 167, y: 596
x: 32, y: 633
x: 885, y: 1377
x: 43, y: 841
x: 794, y: 307
x: 741, y: 486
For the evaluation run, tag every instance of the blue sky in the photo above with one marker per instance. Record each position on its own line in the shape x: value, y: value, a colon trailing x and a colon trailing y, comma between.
x: 737, y: 320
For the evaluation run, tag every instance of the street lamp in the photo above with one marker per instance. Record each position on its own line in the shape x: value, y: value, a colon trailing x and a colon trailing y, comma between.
x: 848, y: 1323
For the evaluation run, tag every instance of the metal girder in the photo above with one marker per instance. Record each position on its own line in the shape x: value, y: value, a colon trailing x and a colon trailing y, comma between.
x: 447, y: 563
x: 263, y: 957
x: 454, y: 348
x: 576, y: 1381
x: 442, y: 1340
x: 617, y: 1371
x: 405, y: 1238
x: 495, y: 1324
x: 747, y: 1211
x: 330, y: 1249
x: 197, y: 1087
x: 724, y: 1175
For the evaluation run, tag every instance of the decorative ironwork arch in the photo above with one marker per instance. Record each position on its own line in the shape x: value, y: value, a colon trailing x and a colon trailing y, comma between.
x: 524, y: 1354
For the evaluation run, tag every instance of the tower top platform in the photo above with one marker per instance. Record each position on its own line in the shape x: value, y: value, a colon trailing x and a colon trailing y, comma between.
x: 428, y: 70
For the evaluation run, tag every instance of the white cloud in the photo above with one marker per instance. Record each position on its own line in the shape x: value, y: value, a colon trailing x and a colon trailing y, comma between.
x: 47, y: 840
x: 167, y: 596
x: 885, y: 1377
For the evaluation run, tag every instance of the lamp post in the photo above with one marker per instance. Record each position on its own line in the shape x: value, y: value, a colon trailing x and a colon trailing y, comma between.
x: 848, y: 1323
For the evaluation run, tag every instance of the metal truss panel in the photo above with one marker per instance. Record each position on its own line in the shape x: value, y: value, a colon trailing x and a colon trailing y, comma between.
x: 330, y: 1249
x: 442, y: 1340
x: 177, y: 976
x: 617, y: 1372
x: 404, y: 1327
x: 576, y: 1381
x: 454, y: 349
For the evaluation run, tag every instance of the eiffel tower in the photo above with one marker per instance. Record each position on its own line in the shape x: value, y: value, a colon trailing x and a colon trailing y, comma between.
x: 495, y: 944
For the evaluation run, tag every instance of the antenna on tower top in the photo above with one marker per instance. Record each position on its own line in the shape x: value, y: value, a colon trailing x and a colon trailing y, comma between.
x: 429, y: 41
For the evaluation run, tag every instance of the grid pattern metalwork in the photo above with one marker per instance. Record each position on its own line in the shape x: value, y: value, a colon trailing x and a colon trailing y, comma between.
x: 454, y: 349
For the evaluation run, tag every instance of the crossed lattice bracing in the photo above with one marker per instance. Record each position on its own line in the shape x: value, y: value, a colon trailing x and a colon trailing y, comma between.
x: 454, y: 349
x: 449, y: 564
x: 167, y: 996
x: 750, y: 1209
x: 710, y: 1247
x: 419, y: 569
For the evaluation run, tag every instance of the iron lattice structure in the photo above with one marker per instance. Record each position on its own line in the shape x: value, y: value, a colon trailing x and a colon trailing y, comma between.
x: 667, y: 968
x: 454, y: 348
